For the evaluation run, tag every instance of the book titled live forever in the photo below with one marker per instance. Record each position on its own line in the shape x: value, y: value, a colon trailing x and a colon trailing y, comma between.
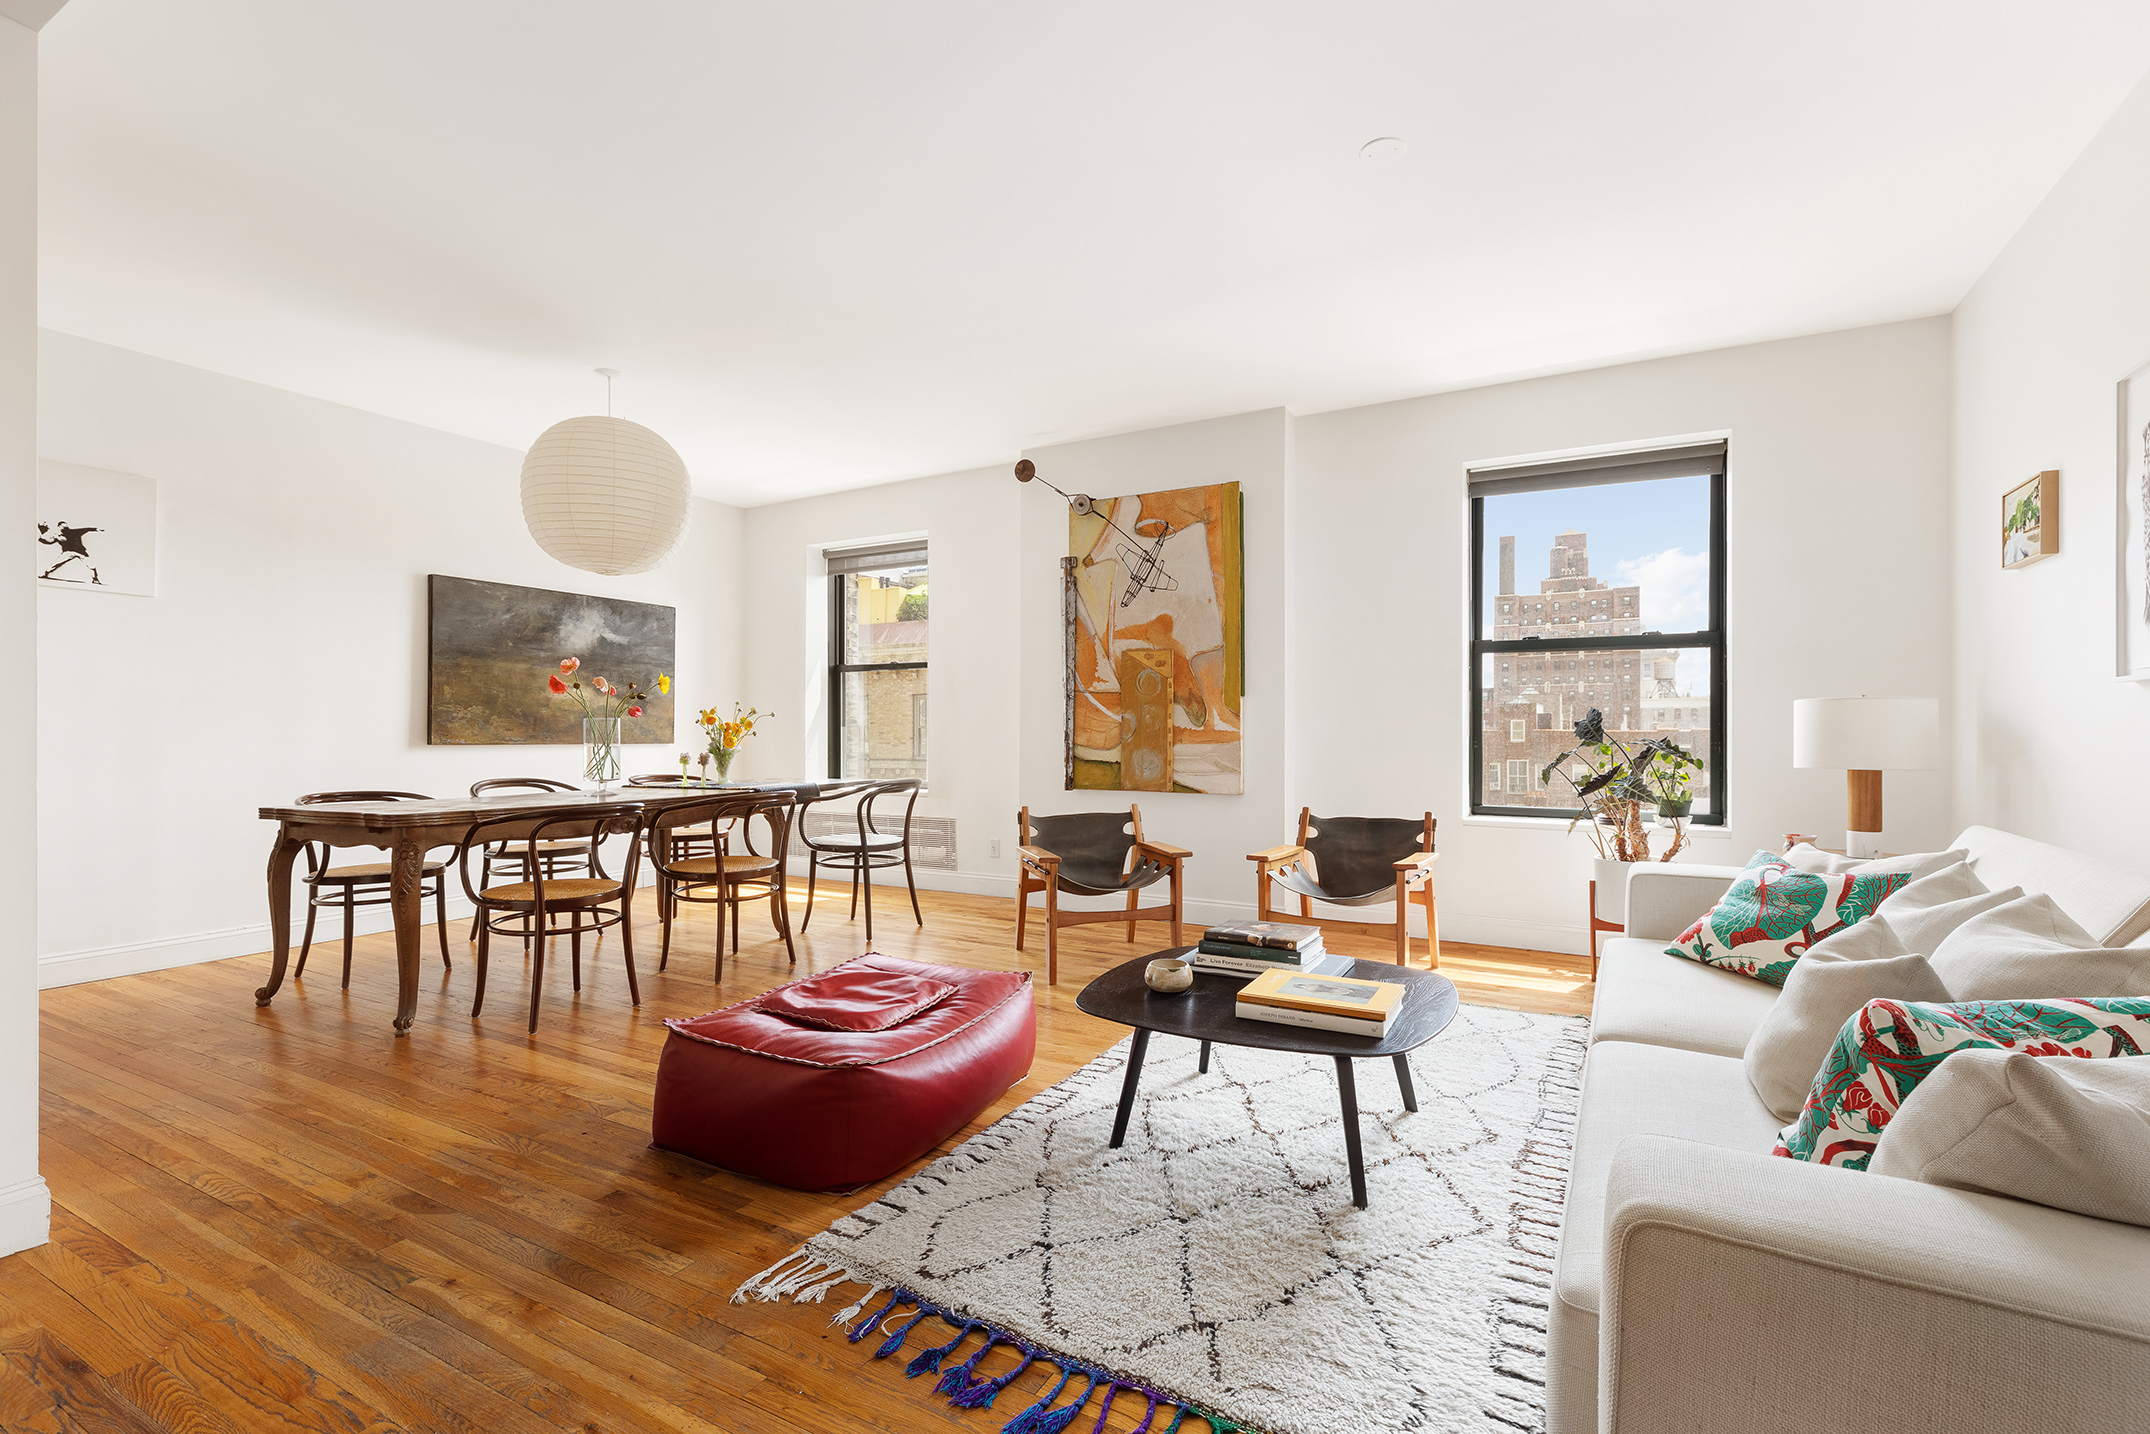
x: 1286, y: 1016
x: 1345, y: 996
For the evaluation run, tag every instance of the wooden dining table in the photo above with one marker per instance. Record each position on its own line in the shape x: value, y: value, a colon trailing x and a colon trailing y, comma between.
x: 407, y: 830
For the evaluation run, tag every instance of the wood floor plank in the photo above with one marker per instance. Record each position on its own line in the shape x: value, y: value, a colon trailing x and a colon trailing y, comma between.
x: 283, y: 1218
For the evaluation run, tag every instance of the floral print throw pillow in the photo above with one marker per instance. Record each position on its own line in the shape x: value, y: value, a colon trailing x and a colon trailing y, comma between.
x: 1884, y: 1051
x: 1774, y: 912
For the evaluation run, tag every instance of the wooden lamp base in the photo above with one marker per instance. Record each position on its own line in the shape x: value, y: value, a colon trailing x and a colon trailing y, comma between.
x: 1862, y: 814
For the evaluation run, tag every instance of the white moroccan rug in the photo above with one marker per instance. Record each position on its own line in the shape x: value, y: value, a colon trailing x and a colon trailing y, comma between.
x: 1214, y: 1264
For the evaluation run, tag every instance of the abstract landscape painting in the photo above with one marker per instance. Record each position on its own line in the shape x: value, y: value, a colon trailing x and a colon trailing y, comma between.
x: 493, y: 644
x: 1156, y: 675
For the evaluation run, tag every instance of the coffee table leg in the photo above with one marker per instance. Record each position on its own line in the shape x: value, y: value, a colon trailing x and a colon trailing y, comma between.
x: 1203, y: 1069
x: 1403, y: 1078
x: 1135, y: 1053
x: 1347, y: 1088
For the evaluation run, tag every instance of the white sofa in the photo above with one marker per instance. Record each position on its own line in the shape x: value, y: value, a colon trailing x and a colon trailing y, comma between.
x: 1703, y: 1284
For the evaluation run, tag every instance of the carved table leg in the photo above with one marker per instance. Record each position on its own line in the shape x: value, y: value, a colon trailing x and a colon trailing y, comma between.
x: 406, y: 887
x: 281, y: 856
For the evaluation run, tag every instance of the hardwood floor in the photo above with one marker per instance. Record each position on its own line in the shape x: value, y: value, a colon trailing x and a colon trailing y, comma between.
x: 286, y: 1219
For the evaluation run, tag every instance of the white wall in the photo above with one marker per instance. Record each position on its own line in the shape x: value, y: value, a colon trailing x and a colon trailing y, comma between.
x: 285, y: 650
x: 1840, y: 578
x: 969, y: 520
x: 1254, y: 450
x: 2049, y: 743
x: 1838, y: 585
x: 25, y: 1207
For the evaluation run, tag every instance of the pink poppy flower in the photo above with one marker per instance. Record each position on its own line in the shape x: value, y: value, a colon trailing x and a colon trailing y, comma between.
x: 634, y: 712
x: 556, y: 685
x: 569, y: 664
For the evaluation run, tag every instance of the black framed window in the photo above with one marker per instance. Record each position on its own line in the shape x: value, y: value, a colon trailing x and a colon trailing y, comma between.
x: 878, y: 617
x: 1596, y: 583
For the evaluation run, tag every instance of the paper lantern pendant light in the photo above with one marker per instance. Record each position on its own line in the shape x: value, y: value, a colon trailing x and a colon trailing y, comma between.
x: 605, y: 495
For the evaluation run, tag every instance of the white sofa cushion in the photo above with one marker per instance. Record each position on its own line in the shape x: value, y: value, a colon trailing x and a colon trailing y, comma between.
x: 1648, y: 997
x: 1808, y: 857
x: 2111, y: 902
x: 2072, y: 1134
x: 1825, y: 990
x: 1924, y: 913
x: 2029, y: 949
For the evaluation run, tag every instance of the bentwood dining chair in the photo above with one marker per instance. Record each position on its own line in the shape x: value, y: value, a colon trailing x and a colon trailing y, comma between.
x: 558, y: 857
x: 351, y: 887
x: 865, y: 848
x: 726, y: 877
x: 545, y: 907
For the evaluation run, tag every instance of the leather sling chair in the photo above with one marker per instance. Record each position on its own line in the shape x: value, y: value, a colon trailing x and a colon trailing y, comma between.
x: 1354, y: 861
x: 1092, y: 854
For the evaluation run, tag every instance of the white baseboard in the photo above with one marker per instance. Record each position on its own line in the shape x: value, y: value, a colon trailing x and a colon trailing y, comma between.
x: 67, y: 968
x: 25, y: 1215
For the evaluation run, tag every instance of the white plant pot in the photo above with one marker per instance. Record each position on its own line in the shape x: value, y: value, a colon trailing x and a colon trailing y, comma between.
x: 1611, y: 877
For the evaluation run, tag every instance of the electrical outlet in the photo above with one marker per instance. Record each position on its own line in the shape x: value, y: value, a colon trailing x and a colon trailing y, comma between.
x: 992, y: 848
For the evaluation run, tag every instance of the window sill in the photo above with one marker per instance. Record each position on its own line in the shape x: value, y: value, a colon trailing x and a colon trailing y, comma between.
x: 1558, y: 825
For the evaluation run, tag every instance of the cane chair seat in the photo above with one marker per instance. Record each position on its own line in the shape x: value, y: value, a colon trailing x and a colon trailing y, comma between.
x: 741, y: 864
x: 855, y: 841
x: 557, y: 893
x: 373, y: 871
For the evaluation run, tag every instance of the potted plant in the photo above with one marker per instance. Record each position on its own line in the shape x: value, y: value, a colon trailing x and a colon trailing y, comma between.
x: 1613, y: 782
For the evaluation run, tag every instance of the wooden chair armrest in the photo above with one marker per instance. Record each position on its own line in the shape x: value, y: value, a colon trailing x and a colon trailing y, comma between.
x: 1038, y: 854
x: 1418, y: 858
x: 1277, y: 854
x: 1163, y: 850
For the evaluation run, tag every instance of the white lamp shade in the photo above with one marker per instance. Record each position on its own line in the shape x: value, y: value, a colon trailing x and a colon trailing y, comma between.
x: 1867, y: 734
x: 605, y: 495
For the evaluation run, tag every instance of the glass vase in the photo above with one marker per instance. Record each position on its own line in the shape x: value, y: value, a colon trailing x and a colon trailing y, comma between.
x: 601, y: 752
x: 722, y: 756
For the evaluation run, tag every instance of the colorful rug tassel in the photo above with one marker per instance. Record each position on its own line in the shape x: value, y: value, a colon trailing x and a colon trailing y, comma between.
x: 958, y: 1381
x: 895, y: 1341
x: 981, y: 1393
x: 1039, y: 1419
x: 895, y: 1298
x: 929, y: 1361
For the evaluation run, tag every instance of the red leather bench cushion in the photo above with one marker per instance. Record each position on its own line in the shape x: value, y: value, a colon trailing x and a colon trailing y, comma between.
x: 856, y: 998
x: 819, y: 1109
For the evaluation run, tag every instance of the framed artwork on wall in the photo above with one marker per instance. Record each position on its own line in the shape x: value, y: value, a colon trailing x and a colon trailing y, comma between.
x: 492, y: 645
x: 1157, y: 644
x: 2131, y: 512
x: 2030, y: 521
x: 96, y: 530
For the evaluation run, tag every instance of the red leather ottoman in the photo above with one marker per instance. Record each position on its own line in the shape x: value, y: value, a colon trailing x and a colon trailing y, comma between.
x: 837, y: 1080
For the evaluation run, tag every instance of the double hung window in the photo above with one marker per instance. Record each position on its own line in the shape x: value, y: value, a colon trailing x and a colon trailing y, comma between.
x: 1627, y: 618
x: 877, y: 660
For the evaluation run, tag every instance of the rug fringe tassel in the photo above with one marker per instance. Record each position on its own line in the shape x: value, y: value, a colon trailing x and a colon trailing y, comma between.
x: 804, y: 1277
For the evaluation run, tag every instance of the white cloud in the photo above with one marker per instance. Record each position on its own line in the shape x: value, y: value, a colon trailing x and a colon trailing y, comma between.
x: 1675, y: 588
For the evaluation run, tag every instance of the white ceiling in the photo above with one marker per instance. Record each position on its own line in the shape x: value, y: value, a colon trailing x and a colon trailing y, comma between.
x: 832, y: 244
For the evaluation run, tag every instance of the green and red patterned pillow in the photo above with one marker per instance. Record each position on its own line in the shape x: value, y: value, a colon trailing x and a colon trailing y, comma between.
x: 1774, y: 912
x: 1886, y: 1050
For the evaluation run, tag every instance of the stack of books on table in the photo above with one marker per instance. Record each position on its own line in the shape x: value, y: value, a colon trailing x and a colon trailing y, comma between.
x: 1249, y: 948
x: 1326, y: 1003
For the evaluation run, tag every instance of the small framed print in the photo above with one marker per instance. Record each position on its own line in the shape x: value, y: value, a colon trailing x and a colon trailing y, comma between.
x: 2030, y: 521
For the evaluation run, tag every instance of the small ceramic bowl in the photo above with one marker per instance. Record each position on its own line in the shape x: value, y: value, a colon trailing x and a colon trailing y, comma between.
x: 1169, y: 975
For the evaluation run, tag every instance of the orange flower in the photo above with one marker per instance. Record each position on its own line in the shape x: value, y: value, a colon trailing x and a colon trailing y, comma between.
x: 556, y: 685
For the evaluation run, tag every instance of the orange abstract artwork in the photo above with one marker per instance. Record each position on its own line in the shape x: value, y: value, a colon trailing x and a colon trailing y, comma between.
x: 1159, y: 643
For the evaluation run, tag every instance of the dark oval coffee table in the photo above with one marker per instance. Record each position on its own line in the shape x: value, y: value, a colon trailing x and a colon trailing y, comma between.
x: 1204, y: 1013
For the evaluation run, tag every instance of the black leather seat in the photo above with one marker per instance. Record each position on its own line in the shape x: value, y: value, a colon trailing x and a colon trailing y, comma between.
x: 1092, y: 854
x: 1354, y: 861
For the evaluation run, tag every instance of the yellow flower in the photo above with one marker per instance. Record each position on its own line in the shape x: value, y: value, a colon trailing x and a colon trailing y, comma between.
x: 664, y: 683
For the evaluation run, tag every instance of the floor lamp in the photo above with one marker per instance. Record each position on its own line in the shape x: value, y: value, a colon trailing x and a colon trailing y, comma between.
x: 1863, y: 737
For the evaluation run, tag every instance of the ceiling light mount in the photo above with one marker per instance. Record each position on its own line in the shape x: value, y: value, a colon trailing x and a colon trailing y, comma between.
x: 1385, y: 150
